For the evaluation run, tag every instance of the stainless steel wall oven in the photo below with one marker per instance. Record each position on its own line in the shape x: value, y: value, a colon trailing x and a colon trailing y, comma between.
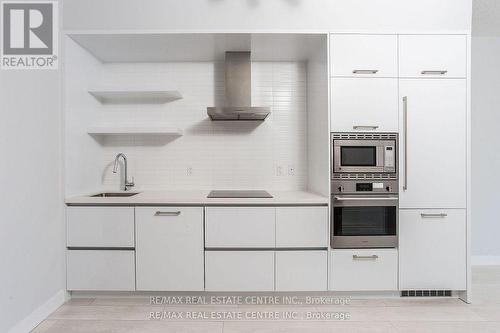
x: 364, y: 190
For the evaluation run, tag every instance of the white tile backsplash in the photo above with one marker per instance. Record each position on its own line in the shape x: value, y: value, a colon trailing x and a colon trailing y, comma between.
x: 211, y: 154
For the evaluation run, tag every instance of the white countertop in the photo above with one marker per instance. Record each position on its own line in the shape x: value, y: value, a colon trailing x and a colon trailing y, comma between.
x: 151, y: 198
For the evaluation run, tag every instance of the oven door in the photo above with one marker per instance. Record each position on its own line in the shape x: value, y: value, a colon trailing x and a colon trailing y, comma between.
x: 364, y: 221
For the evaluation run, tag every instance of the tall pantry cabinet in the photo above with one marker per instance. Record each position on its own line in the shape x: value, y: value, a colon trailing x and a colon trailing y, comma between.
x: 415, y: 85
x: 433, y: 162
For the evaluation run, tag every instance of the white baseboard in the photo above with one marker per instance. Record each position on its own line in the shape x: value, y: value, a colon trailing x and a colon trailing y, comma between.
x: 42, y: 312
x: 485, y: 260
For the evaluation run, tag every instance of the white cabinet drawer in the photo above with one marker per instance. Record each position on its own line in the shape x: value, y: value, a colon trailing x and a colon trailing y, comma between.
x: 240, y: 227
x: 432, y: 249
x: 301, y: 270
x: 100, y: 226
x: 433, y: 56
x: 301, y: 227
x: 169, y: 249
x: 364, y: 270
x: 239, y: 270
x: 364, y: 105
x: 364, y: 55
x: 100, y: 270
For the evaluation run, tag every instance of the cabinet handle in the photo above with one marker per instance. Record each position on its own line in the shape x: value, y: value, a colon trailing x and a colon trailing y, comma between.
x: 365, y: 71
x: 177, y: 213
x: 372, y: 257
x: 424, y: 215
x: 433, y: 72
x: 373, y: 127
x: 405, y: 122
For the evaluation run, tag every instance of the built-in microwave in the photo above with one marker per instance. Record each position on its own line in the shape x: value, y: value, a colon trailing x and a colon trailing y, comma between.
x: 364, y: 153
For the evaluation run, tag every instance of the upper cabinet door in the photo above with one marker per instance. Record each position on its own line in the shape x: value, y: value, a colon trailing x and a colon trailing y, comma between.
x: 364, y: 105
x: 432, y: 143
x: 433, y: 56
x: 364, y: 55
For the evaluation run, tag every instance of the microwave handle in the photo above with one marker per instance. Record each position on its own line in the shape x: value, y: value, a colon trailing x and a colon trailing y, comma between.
x: 405, y: 123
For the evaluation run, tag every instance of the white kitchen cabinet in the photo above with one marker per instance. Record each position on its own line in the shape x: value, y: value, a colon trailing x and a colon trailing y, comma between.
x: 355, y: 55
x: 169, y: 249
x: 301, y: 227
x: 239, y: 270
x: 433, y: 158
x: 433, y: 56
x: 111, y: 270
x: 432, y: 249
x: 364, y: 270
x: 240, y: 227
x: 364, y: 104
x: 301, y: 270
x: 100, y: 226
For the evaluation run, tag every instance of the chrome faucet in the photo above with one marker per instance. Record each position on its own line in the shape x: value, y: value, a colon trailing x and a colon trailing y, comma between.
x: 127, y: 184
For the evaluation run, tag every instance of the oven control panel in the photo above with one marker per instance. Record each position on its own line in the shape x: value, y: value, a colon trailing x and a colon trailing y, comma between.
x: 360, y: 187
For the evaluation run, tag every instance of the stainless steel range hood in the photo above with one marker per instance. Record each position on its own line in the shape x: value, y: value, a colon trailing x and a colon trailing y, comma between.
x: 238, y: 67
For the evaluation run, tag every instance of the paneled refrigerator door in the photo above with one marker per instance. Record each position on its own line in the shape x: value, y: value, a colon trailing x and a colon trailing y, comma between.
x: 432, y: 143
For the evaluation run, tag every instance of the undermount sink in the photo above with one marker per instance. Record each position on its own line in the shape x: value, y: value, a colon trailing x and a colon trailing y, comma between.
x: 114, y: 194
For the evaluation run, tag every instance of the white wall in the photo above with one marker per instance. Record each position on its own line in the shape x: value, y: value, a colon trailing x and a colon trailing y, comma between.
x: 31, y: 220
x: 485, y: 148
x: 318, y: 123
x: 220, y: 155
x: 282, y: 15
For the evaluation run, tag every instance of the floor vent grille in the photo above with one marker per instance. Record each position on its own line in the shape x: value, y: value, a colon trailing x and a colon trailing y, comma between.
x: 426, y: 293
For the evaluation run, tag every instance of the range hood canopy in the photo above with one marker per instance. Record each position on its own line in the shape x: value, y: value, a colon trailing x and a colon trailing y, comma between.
x: 238, y: 72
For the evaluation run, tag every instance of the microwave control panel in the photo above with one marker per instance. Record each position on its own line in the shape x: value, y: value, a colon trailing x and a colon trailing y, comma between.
x: 389, y: 158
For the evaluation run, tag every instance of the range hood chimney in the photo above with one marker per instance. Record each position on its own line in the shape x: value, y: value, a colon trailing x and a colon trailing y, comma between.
x: 238, y: 71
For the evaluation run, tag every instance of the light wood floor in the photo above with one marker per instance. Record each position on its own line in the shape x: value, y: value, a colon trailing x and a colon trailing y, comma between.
x: 385, y: 316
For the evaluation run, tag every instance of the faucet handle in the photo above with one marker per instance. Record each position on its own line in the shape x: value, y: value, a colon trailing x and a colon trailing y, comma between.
x: 130, y: 184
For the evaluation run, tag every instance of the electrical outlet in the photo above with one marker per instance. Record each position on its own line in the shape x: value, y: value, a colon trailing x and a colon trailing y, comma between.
x: 279, y: 170
x: 189, y: 171
x: 291, y: 170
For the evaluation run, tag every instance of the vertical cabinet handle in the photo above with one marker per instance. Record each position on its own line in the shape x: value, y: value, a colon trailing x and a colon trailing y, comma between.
x: 372, y: 257
x: 365, y: 71
x: 405, y: 123
x: 159, y: 213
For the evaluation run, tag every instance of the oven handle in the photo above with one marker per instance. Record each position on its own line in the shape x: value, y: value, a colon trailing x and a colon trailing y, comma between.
x: 364, y: 198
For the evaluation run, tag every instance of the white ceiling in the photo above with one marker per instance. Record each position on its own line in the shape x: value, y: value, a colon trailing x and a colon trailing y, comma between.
x: 199, y: 47
x: 486, y: 17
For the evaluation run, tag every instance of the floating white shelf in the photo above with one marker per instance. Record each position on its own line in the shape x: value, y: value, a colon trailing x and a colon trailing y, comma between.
x: 135, y: 130
x: 110, y: 96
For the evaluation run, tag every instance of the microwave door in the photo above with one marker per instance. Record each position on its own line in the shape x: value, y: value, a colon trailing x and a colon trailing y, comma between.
x: 358, y: 156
